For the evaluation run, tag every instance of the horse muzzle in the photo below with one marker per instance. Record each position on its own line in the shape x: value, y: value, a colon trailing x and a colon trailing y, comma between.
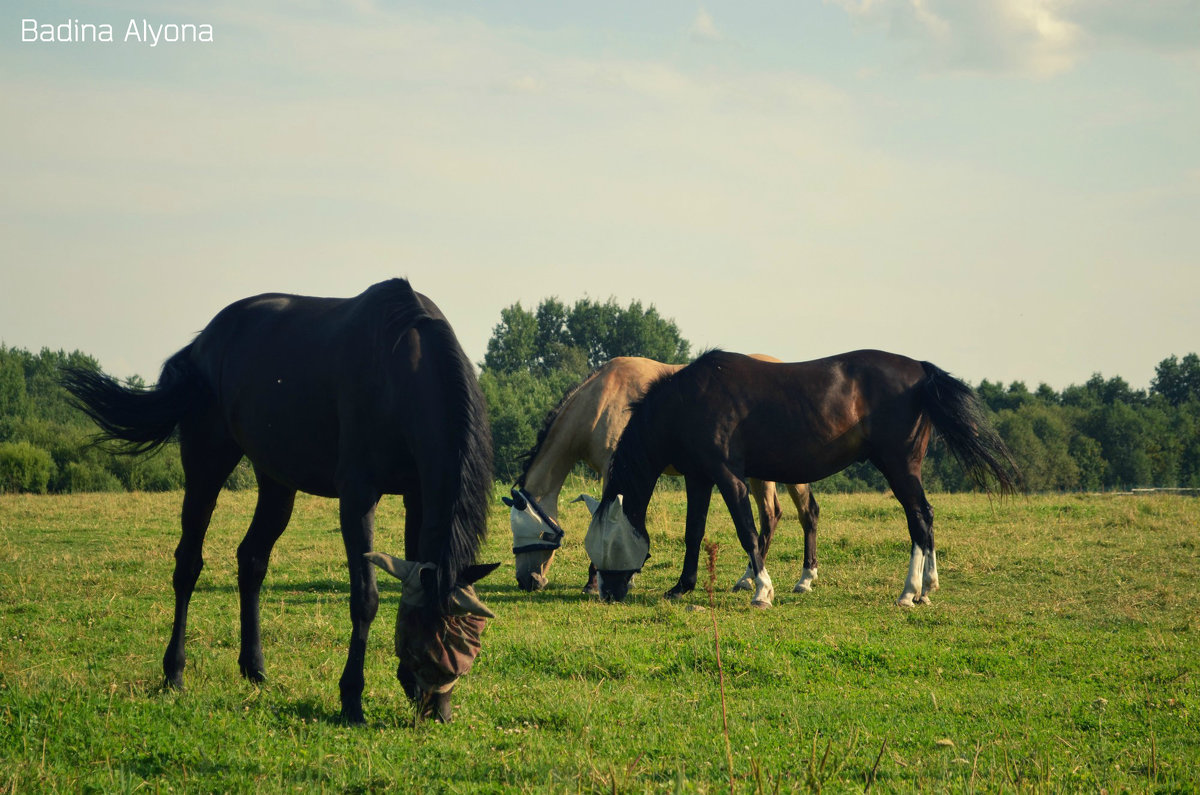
x: 532, y: 568
x: 435, y: 704
x: 531, y: 582
x: 614, y: 585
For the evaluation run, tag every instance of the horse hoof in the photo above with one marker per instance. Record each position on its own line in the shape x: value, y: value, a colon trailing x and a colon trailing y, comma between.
x: 924, y: 600
x: 254, y: 674
x: 761, y: 604
x: 802, y: 587
x: 905, y: 601
x: 742, y: 585
x: 591, y: 590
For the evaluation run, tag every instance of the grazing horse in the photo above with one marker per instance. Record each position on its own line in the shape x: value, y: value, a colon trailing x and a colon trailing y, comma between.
x: 350, y: 398
x: 726, y: 417
x: 585, y: 426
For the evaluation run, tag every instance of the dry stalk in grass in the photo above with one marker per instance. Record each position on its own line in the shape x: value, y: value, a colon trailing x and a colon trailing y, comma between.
x: 711, y: 548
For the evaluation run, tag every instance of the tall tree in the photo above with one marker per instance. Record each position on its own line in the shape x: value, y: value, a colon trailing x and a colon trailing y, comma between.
x: 533, y: 358
x: 1177, y: 381
x: 557, y: 338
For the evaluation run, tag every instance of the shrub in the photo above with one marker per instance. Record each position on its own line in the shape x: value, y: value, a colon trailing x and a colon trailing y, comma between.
x: 85, y: 476
x: 24, y: 468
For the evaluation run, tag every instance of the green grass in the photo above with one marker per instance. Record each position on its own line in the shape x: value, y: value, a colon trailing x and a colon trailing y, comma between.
x: 1060, y: 654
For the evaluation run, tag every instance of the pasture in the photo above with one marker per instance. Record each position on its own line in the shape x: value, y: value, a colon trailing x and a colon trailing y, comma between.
x: 1061, y: 653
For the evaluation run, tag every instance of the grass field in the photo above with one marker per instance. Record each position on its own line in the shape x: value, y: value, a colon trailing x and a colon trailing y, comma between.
x: 1060, y: 654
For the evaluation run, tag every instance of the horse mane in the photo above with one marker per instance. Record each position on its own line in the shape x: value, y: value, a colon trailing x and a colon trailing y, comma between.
x: 470, y: 430
x: 551, y: 417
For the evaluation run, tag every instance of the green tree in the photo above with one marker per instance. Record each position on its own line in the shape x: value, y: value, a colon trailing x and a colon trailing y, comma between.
x: 534, y: 357
x: 1177, y: 381
x: 518, y: 403
x: 1121, y: 432
x: 556, y: 338
x: 513, y: 343
x: 13, y: 400
x: 1039, y: 439
x: 1089, y: 458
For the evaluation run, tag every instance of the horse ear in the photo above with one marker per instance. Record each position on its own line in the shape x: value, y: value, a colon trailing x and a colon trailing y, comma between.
x: 473, y: 574
x: 588, y: 500
x: 506, y: 501
x: 519, y: 501
x: 400, y: 569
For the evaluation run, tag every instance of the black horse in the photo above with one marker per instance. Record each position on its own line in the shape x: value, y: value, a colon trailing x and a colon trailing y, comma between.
x: 727, y: 417
x: 350, y: 398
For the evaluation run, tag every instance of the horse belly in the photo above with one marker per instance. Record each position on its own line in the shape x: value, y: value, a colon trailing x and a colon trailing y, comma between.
x: 291, y: 440
x: 787, y: 459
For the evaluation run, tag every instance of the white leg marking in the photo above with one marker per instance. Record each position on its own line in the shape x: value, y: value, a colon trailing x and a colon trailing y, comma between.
x: 747, y: 580
x: 931, y: 575
x: 912, y: 584
x: 805, y: 583
x: 764, y: 591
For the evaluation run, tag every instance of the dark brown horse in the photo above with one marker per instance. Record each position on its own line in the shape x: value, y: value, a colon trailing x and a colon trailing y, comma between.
x: 349, y: 398
x: 727, y: 417
x: 585, y: 426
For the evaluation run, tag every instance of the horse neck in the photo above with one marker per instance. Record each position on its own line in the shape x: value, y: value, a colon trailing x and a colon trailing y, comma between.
x: 634, y: 470
x: 548, y: 471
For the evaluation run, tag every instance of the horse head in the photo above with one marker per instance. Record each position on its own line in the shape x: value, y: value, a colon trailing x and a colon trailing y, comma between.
x: 616, y: 547
x: 435, y: 644
x: 536, y: 536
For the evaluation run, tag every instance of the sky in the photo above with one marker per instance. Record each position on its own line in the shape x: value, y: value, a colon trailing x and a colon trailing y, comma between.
x: 1007, y: 188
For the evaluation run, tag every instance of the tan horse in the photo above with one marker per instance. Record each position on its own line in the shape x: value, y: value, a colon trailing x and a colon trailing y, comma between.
x: 585, y: 426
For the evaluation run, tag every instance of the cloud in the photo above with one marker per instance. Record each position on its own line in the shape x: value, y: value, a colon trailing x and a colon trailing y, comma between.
x: 1038, y: 38
x: 1168, y: 26
x: 1032, y: 37
x: 703, y: 27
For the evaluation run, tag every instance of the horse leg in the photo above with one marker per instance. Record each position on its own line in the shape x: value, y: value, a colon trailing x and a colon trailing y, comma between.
x: 737, y: 498
x: 699, y: 495
x: 592, y: 586
x: 271, y: 516
x: 922, y: 577
x: 207, y: 457
x: 809, y: 511
x: 357, y: 510
x: 770, y: 511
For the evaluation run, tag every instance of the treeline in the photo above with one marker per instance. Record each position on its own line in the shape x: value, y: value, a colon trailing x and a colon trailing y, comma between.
x: 45, y: 440
x: 1102, y: 435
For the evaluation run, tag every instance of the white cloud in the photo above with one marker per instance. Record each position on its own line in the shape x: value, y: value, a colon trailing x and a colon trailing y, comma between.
x: 1037, y: 38
x: 493, y: 164
x: 1032, y: 37
x: 704, y: 28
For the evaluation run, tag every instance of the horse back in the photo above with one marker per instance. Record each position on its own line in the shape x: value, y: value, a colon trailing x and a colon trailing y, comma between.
x: 801, y: 421
x: 298, y: 379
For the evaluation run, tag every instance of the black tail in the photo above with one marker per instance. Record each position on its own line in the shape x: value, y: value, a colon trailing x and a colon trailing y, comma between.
x: 137, y: 420
x: 959, y: 417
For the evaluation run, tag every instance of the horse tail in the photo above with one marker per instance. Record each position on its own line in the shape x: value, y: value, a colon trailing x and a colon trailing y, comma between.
x: 137, y: 420
x: 960, y: 418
